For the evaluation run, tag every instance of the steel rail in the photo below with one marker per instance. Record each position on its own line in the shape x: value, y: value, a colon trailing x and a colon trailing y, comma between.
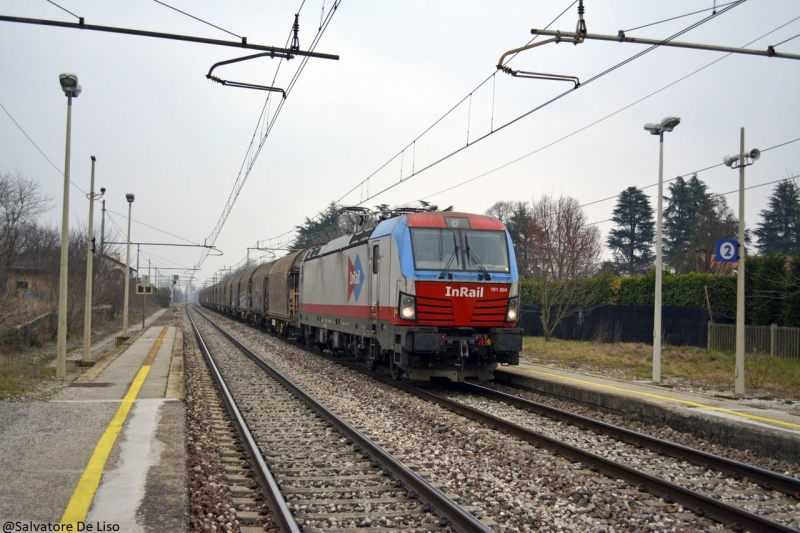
x: 280, y: 511
x: 457, y: 516
x: 767, y: 479
x: 670, y: 492
x: 702, y: 505
x: 278, y: 52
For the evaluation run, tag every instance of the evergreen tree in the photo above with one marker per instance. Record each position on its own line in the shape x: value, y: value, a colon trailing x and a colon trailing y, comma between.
x: 779, y: 231
x: 764, y: 292
x: 631, y: 242
x: 686, y: 203
x: 518, y: 225
x: 790, y: 316
x: 320, y: 230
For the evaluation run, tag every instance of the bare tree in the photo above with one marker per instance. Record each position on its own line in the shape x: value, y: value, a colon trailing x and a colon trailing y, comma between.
x: 716, y: 221
x: 502, y: 210
x: 20, y: 203
x: 561, y: 252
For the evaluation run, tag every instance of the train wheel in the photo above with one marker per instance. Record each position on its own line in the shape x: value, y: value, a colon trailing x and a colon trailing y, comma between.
x: 372, y: 364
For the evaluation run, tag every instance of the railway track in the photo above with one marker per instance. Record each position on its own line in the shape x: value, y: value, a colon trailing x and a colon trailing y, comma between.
x: 680, y: 479
x: 739, y: 495
x: 317, y: 471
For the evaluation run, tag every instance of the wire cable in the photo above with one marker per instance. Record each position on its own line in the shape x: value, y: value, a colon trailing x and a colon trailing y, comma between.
x: 456, y: 106
x: 39, y: 149
x: 676, y: 18
x: 195, y: 18
x: 556, y: 98
x: 787, y: 40
x: 153, y: 227
x: 424, y: 132
x: 252, y: 153
x: 604, y: 118
x: 61, y: 8
x: 289, y: 233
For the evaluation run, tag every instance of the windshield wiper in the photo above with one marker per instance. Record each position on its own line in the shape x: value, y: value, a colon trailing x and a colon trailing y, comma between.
x: 449, y: 261
x: 470, y: 253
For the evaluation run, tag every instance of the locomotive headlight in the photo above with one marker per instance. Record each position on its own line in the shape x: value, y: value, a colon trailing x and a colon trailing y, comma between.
x: 407, y: 307
x: 513, y: 309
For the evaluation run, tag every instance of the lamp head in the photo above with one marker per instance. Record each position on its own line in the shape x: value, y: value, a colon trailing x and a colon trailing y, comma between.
x: 652, y: 128
x: 69, y: 84
x: 129, y: 197
x: 669, y: 123
x: 102, y: 190
x: 94, y: 158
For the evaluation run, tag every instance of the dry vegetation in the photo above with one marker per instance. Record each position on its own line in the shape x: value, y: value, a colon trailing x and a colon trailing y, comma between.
x: 681, y: 365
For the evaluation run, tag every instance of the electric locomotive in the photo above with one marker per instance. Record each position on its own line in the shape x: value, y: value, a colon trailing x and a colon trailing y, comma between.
x: 431, y: 295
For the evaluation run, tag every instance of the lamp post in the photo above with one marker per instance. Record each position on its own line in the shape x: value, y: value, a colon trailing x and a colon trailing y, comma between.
x: 740, y: 161
x: 129, y: 197
x: 71, y: 88
x: 87, y: 315
x: 668, y: 124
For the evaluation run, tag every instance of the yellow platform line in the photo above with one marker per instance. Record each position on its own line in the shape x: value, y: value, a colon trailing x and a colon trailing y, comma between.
x: 82, y: 497
x: 667, y: 398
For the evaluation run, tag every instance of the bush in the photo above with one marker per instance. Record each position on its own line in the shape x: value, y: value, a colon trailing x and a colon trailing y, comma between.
x: 772, y: 289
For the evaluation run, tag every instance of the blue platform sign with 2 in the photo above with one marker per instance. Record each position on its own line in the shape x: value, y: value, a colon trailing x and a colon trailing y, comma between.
x: 727, y: 250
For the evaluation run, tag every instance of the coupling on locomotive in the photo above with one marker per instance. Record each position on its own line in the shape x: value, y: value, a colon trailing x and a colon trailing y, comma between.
x: 430, y: 295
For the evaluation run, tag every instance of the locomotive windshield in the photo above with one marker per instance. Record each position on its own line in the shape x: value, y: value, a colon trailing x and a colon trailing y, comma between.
x: 433, y: 249
x: 464, y: 249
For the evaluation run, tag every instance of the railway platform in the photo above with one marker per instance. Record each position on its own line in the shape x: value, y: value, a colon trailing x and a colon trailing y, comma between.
x: 733, y: 422
x: 107, y: 452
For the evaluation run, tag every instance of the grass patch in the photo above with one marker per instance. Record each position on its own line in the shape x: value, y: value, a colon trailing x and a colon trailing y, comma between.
x: 764, y: 376
x: 21, y: 372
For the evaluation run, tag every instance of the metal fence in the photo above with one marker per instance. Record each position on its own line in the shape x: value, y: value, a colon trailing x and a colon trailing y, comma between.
x: 778, y: 342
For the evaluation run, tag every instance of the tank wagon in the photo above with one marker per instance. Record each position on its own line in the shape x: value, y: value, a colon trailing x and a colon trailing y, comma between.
x: 431, y: 295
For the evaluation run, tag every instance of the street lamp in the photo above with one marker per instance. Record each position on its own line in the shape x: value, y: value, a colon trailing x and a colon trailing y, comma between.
x: 87, y: 314
x: 740, y: 161
x: 668, y: 124
x: 129, y: 197
x: 71, y: 88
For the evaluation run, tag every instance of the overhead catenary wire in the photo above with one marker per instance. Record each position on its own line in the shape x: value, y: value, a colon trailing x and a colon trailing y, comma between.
x: 692, y: 173
x: 63, y: 9
x: 284, y: 237
x: 449, y: 111
x: 254, y: 150
x: 61, y: 172
x: 720, y: 194
x: 579, y: 130
x: 365, y: 181
x: 678, y: 17
x: 154, y: 228
x: 556, y: 98
x: 786, y: 41
x: 195, y: 18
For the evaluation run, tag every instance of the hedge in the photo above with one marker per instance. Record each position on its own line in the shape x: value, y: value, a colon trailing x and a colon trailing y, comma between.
x: 772, y: 289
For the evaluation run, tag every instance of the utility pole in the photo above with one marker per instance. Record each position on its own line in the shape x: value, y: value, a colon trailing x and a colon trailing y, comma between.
x: 103, y: 231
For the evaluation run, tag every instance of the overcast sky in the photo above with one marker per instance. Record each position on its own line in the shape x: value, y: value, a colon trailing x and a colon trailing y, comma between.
x: 162, y: 131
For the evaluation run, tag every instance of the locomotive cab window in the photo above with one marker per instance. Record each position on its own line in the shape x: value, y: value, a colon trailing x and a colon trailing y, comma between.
x: 460, y: 249
x: 433, y: 248
x: 487, y: 249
